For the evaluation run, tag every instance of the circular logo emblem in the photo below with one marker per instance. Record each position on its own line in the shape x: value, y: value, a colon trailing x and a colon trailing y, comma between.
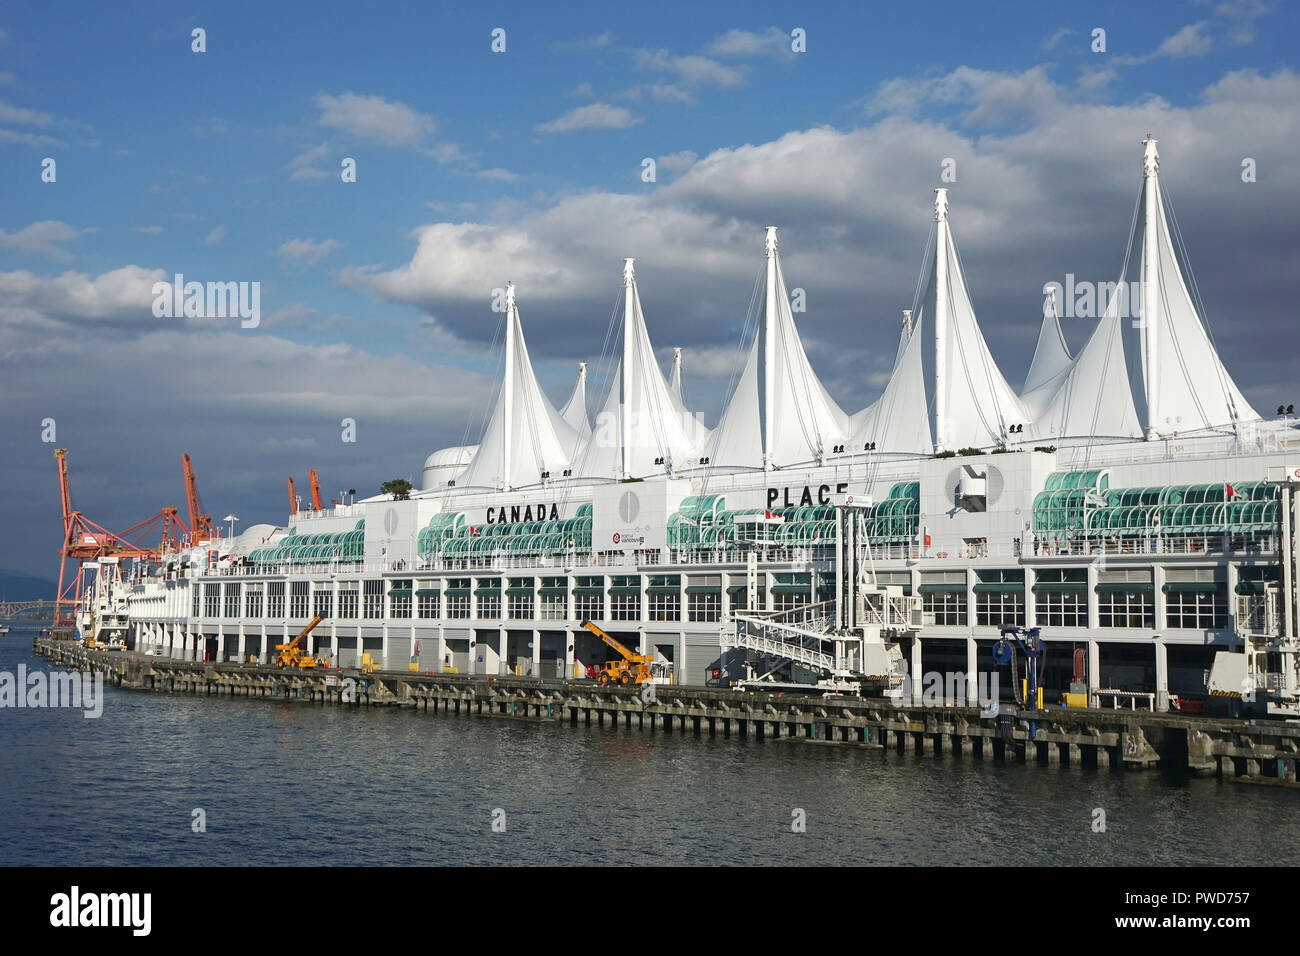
x: 629, y: 506
x: 617, y: 537
x: 390, y: 521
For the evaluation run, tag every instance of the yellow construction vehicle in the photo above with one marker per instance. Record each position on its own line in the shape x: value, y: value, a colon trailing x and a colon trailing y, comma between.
x: 294, y: 653
x: 632, y: 669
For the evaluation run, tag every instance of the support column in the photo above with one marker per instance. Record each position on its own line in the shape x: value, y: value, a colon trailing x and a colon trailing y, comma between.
x: 916, y: 669
x: 1162, y: 675
x: 972, y: 677
x: 537, y: 652
x: 1094, y: 668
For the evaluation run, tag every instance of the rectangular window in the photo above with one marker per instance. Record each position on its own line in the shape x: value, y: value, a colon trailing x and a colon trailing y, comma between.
x: 399, y: 599
x: 552, y: 596
x: 349, y: 599
x: 948, y: 607
x: 322, y: 601
x: 1199, y: 610
x: 589, y: 599
x: 298, y: 592
x: 625, y: 598
x: 253, y: 599
x: 426, y: 600
x: 458, y: 597
x: 520, y: 599
x: 275, y: 599
x: 194, y: 603
x: 1061, y: 608
x: 232, y: 600
x: 1126, y: 609
x: 704, y: 606
x: 211, y: 600
x: 489, y: 604
x: 994, y: 608
x: 373, y: 592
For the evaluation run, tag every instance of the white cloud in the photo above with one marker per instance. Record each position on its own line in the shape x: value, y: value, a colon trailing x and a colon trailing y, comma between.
x: 21, y: 116
x: 304, y: 166
x: 499, y: 175
x: 592, y: 116
x: 854, y: 207
x: 150, y: 230
x: 692, y: 70
x: 741, y: 43
x: 125, y: 293
x: 217, y: 236
x: 373, y: 119
x: 307, y: 252
x: 40, y: 238
x: 1053, y: 41
x: 677, y: 162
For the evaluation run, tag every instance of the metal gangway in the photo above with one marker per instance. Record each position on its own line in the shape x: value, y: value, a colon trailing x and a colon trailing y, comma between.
x: 846, y: 641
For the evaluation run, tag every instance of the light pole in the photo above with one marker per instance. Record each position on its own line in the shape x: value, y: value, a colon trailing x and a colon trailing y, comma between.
x: 231, y: 519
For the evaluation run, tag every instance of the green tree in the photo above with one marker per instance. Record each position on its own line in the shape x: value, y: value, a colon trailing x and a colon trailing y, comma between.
x: 399, y: 488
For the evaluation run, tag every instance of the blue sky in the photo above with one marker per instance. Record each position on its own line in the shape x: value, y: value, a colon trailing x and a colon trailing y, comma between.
x: 476, y: 167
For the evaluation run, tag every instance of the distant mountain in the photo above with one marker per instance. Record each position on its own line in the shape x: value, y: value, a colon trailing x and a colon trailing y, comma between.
x: 21, y: 586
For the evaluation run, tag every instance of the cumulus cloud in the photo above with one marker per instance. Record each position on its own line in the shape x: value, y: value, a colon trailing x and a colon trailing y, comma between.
x: 217, y: 236
x: 306, y: 252
x: 372, y: 119
x: 40, y: 238
x: 854, y: 207
x: 591, y: 116
x: 741, y: 43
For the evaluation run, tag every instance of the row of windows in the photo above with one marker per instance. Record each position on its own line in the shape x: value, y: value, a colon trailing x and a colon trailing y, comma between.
x: 1194, y: 610
x: 1191, y: 610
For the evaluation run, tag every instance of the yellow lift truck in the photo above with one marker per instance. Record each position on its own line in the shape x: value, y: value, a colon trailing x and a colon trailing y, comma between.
x: 631, y: 669
x: 294, y: 653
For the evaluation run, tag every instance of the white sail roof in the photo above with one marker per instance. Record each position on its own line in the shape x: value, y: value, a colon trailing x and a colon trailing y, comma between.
x: 899, y: 420
x: 525, y: 437
x: 780, y: 414
x: 974, y: 405
x: 1187, y: 386
x: 574, y: 411
x: 643, y: 429
x: 1091, y: 398
x: 675, y: 377
x: 1052, y: 357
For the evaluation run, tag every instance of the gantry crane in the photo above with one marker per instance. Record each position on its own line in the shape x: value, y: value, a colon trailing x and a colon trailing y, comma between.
x: 632, y: 669
x: 201, y: 526
x: 293, y: 497
x: 84, y: 540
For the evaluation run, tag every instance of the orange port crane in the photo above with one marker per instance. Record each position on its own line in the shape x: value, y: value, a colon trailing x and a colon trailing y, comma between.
x: 293, y: 497
x: 201, y: 526
x: 84, y: 540
x: 315, y: 489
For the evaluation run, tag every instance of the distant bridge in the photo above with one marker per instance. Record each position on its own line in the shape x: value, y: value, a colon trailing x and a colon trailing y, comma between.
x: 35, y: 610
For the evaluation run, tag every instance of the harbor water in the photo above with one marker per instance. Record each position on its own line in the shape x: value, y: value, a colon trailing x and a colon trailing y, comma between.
x: 280, y: 783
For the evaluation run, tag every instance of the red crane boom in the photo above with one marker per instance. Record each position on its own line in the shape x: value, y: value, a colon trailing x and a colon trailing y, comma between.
x: 293, y: 497
x: 201, y: 525
x: 315, y: 489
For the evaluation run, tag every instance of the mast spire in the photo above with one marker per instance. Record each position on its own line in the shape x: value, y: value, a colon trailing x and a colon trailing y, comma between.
x: 940, y: 319
x: 1150, y: 319
x: 508, y: 389
x: 769, y: 350
x: 629, y: 329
